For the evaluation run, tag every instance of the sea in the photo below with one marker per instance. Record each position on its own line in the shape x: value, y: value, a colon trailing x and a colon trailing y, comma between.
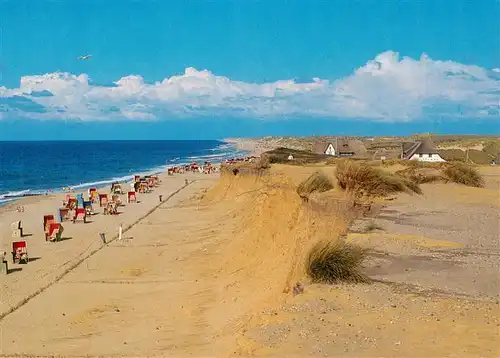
x: 38, y: 168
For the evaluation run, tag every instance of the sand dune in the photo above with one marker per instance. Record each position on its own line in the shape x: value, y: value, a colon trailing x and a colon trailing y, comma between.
x: 208, y: 274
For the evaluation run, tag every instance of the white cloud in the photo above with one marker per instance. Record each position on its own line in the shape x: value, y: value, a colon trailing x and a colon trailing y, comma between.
x: 386, y: 88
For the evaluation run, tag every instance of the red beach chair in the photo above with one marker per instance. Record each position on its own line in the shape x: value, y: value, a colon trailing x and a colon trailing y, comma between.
x: 80, y: 214
x: 103, y: 200
x: 47, y: 219
x: 64, y: 214
x: 93, y: 194
x: 20, y: 252
x: 72, y: 203
x: 54, y: 232
x: 131, y: 197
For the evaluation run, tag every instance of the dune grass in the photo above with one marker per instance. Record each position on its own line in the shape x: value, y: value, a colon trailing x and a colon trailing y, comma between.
x: 317, y: 182
x: 263, y: 163
x: 335, y: 262
x: 463, y: 174
x: 421, y: 175
x: 364, y: 180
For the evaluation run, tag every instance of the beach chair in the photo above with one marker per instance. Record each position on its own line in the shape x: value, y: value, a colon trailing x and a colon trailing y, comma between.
x: 80, y: 214
x: 117, y: 189
x: 87, y: 205
x: 4, y: 266
x: 20, y: 252
x: 64, y: 214
x: 17, y: 230
x: 72, y: 203
x: 54, y: 232
x: 116, y: 199
x: 46, y: 219
x: 137, y: 178
x: 111, y: 209
x: 93, y: 195
x: 79, y: 199
x: 131, y: 197
x: 103, y: 200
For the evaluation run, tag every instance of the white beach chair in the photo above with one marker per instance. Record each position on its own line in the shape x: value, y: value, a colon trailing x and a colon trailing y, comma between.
x: 17, y: 230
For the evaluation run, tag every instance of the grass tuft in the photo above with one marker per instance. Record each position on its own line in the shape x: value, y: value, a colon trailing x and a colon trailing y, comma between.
x: 421, y: 175
x: 363, y: 180
x: 373, y: 227
x: 263, y: 163
x: 318, y: 182
x: 463, y: 174
x: 334, y: 262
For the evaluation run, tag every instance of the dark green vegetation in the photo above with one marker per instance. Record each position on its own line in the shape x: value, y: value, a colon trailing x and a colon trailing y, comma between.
x: 300, y: 157
x: 335, y: 262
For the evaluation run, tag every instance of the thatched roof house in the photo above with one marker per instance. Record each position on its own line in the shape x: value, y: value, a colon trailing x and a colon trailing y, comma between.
x: 342, y: 147
x: 421, y: 150
x: 327, y: 148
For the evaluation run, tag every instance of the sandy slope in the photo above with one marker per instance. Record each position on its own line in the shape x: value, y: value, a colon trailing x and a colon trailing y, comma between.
x: 208, y: 274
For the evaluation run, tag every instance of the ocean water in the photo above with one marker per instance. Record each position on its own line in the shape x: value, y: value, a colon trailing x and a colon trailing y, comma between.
x: 37, y: 167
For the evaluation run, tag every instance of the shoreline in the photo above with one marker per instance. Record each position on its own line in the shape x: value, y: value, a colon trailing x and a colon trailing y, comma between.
x: 9, y: 201
x: 254, y: 146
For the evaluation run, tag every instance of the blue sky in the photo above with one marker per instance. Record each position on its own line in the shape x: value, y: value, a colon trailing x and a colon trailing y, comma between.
x: 213, y: 69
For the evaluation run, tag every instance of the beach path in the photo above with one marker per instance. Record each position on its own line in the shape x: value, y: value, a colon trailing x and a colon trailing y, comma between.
x: 137, y: 296
x: 50, y: 261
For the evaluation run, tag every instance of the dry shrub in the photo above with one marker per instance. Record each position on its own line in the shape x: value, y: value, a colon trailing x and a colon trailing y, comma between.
x: 274, y: 159
x: 257, y: 168
x: 420, y: 175
x: 413, y: 163
x: 373, y: 227
x: 391, y: 162
x: 463, y: 174
x: 363, y: 180
x: 317, y: 182
x: 263, y: 163
x: 334, y: 262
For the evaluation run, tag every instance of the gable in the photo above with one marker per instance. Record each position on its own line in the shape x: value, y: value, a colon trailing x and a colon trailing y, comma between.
x: 330, y: 149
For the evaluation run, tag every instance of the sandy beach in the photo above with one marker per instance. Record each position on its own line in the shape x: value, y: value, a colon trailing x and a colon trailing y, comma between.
x: 209, y: 272
x: 254, y: 146
x: 49, y: 261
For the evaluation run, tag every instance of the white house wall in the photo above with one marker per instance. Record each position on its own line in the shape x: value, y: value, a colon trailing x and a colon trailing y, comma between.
x: 330, y: 150
x: 427, y: 157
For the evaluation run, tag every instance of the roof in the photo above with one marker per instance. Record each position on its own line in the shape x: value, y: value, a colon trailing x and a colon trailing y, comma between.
x: 321, y: 147
x: 341, y: 145
x: 355, y: 146
x: 423, y: 147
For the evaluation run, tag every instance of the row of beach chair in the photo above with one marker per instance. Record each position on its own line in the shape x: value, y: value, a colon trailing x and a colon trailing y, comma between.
x: 77, y: 209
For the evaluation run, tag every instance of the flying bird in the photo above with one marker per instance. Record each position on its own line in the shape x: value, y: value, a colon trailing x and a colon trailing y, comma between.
x: 84, y: 58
